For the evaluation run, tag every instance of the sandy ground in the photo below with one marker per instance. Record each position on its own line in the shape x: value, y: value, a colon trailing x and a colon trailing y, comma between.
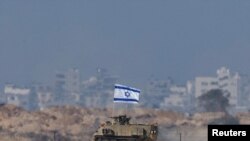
x: 69, y: 123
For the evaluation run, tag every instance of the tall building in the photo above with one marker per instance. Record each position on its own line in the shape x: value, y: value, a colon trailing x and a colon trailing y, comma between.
x: 224, y: 80
x: 72, y: 81
x: 176, y: 99
x: 180, y: 98
x: 229, y: 83
x: 244, y: 97
x: 204, y: 84
x: 67, y: 85
x: 43, y: 95
x: 98, y: 90
x: 156, y: 90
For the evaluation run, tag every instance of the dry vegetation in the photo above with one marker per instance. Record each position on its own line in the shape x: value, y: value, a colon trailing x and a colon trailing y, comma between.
x: 70, y: 123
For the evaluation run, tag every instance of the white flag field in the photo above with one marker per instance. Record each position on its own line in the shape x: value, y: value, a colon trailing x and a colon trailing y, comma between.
x: 125, y: 94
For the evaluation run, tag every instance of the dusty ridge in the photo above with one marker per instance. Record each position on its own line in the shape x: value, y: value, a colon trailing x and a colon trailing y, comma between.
x: 78, y: 124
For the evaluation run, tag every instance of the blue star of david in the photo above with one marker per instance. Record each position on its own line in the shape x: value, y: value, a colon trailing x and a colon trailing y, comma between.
x: 127, y: 94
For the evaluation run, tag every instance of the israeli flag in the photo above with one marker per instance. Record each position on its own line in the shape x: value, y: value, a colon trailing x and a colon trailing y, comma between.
x: 126, y: 94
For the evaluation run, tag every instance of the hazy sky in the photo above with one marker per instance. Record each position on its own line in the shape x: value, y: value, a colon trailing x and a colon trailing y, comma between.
x: 133, y: 39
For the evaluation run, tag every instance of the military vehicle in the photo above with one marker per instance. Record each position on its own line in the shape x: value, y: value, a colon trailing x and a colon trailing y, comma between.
x: 120, y: 129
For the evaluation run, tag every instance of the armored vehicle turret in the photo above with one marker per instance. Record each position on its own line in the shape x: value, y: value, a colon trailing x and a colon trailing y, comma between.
x: 120, y: 129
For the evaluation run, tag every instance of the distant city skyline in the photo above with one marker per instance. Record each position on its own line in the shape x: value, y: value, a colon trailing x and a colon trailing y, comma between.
x: 131, y: 39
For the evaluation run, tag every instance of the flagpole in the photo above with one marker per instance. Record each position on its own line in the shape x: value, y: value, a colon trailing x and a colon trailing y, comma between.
x: 113, y: 112
x: 127, y: 109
